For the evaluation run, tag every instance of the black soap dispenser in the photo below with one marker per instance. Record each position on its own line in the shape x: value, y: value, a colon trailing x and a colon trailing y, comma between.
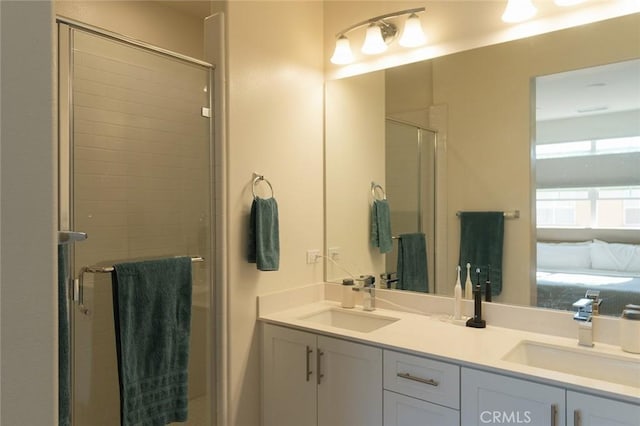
x: 476, y: 321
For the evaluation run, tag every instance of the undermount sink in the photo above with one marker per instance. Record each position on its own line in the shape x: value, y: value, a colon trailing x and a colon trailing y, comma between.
x: 364, y: 322
x: 578, y: 362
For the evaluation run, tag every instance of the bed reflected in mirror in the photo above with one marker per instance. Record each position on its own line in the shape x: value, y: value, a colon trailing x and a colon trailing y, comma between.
x: 587, y: 150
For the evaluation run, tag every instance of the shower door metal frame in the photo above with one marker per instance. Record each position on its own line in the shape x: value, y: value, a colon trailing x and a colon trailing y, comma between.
x: 65, y: 29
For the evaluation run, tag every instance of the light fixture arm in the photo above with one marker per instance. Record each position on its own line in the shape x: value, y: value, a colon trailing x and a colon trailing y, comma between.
x: 379, y: 19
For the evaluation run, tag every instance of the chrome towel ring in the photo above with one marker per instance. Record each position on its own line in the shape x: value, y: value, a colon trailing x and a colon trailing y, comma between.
x: 375, y: 186
x: 256, y: 180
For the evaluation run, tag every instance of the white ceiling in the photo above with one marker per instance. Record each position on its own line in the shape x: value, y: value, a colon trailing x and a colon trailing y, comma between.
x: 596, y: 90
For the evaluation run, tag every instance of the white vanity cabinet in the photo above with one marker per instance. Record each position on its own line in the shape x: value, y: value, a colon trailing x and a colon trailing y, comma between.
x: 589, y: 410
x: 420, y: 391
x: 317, y: 380
x: 489, y: 398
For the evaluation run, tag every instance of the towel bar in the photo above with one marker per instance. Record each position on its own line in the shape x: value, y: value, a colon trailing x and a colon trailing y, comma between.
x: 102, y: 269
x: 513, y: 214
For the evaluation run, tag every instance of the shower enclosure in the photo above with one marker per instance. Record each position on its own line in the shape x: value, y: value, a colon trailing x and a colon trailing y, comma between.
x: 136, y: 176
x: 410, y: 154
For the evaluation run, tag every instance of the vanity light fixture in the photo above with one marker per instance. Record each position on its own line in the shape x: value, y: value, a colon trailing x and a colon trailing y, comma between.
x: 518, y: 11
x: 380, y: 33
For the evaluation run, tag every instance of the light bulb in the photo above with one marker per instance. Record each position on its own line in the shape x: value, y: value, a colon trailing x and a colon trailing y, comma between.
x: 373, y: 41
x: 518, y: 11
x: 412, y: 34
x: 342, y: 55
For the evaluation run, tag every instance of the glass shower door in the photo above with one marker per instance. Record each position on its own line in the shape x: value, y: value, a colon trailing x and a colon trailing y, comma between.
x: 139, y: 157
x: 410, y: 186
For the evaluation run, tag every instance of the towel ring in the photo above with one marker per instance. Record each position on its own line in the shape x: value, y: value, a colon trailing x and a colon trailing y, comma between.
x: 256, y: 180
x: 375, y: 186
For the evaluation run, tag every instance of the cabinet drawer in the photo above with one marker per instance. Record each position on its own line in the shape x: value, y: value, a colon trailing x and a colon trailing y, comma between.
x: 433, y: 381
x: 400, y: 410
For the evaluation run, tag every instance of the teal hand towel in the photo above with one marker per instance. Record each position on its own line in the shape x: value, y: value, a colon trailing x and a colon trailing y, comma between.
x: 64, y: 370
x: 412, y: 262
x: 152, y: 313
x: 481, y: 241
x: 264, y: 234
x: 381, y: 226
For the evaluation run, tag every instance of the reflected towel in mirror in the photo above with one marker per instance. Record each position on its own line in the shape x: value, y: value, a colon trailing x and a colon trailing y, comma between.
x: 412, y: 262
x: 381, y: 226
x: 481, y: 240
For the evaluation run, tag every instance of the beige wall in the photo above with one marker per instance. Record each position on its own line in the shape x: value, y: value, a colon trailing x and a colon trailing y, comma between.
x: 355, y: 158
x: 148, y: 21
x: 275, y: 128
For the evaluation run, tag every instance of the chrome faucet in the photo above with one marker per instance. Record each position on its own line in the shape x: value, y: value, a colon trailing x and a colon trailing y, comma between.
x: 587, y: 308
x: 388, y: 279
x: 369, y: 289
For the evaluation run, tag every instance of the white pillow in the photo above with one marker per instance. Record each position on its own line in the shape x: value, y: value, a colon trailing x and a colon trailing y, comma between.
x: 564, y: 255
x: 615, y: 256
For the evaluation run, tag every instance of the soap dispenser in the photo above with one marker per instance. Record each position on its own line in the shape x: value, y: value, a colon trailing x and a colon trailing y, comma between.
x: 348, y: 296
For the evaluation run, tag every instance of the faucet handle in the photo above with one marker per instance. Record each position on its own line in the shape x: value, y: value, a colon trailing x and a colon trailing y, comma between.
x: 584, y: 309
x: 594, y: 295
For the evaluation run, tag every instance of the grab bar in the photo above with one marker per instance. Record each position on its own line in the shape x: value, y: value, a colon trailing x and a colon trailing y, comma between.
x: 102, y: 269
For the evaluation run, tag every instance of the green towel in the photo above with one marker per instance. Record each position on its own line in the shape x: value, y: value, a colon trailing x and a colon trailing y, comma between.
x: 412, y: 262
x: 264, y: 238
x: 381, y: 226
x: 64, y: 370
x: 481, y: 240
x: 152, y: 314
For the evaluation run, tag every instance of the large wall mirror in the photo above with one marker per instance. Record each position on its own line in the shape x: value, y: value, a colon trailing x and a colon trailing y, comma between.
x: 481, y: 106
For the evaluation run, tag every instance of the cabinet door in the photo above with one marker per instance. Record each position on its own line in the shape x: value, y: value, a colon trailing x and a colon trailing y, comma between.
x: 350, y: 383
x: 587, y: 410
x: 400, y: 410
x: 495, y: 399
x: 288, y: 377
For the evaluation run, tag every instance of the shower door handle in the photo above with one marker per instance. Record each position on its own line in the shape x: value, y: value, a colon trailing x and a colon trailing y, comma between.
x: 67, y: 237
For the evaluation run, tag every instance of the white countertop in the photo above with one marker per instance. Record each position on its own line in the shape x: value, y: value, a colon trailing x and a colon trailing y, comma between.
x: 437, y: 336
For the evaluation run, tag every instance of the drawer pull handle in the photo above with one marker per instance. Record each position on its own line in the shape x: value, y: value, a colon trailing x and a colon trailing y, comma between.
x: 319, y: 366
x: 577, y: 421
x: 408, y: 376
x: 309, y: 372
x: 554, y: 414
